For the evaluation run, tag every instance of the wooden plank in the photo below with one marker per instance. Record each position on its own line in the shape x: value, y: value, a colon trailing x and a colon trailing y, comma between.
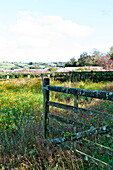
x: 92, y: 113
x: 75, y: 127
x: 45, y: 106
x: 93, y: 131
x: 83, y: 92
x: 76, y: 136
x: 56, y: 131
x: 67, y: 121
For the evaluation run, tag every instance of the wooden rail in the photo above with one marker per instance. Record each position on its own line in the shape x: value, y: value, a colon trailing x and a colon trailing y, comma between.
x: 78, y: 136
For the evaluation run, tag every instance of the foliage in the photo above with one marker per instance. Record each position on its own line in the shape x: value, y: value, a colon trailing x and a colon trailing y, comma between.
x: 89, y: 60
x: 30, y: 63
x: 53, y: 69
x: 111, y: 53
x: 84, y: 75
x: 105, y: 61
x: 71, y: 63
x: 95, y: 58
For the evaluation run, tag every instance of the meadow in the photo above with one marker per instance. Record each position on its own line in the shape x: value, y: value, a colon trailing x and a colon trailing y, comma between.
x: 21, y: 113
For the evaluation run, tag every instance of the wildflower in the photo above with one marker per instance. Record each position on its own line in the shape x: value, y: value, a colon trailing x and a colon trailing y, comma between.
x: 1, y: 165
x: 36, y: 117
x: 28, y: 114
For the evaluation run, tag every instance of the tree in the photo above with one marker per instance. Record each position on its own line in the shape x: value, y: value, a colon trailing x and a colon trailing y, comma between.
x: 71, y: 63
x: 111, y: 52
x: 84, y: 59
x: 89, y: 60
x: 95, y: 58
x: 30, y: 63
x: 95, y: 55
x: 111, y: 49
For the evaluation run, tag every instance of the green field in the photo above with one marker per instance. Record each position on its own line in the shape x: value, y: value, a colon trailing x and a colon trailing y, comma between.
x: 30, y: 65
x: 21, y: 114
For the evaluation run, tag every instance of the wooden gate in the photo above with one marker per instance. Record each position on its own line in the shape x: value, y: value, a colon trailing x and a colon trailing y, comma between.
x: 80, y: 136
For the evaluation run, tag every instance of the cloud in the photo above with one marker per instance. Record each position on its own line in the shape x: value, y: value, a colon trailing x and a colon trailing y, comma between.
x: 47, y: 26
x: 42, y: 38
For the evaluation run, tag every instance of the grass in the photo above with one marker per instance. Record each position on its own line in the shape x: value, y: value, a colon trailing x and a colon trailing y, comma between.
x: 21, y: 113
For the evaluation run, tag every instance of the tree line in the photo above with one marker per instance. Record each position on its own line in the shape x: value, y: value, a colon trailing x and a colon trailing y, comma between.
x: 96, y: 58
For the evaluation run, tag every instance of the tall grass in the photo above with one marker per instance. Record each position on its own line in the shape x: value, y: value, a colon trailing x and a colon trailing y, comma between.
x: 21, y: 113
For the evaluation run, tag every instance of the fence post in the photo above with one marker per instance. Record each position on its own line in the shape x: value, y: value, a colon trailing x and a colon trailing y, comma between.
x: 28, y: 76
x: 41, y: 76
x: 45, y: 106
x: 76, y: 105
x: 7, y: 76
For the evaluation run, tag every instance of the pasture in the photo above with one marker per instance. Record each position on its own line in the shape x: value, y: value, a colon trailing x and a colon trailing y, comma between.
x: 21, y: 113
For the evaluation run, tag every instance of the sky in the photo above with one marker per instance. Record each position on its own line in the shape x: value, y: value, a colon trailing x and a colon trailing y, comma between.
x: 54, y: 30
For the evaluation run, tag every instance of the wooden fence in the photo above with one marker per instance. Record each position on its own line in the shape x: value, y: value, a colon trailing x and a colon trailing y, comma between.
x: 63, y: 76
x: 78, y: 136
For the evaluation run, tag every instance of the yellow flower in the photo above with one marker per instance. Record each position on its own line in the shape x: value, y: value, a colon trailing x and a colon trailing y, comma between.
x: 27, y: 113
x: 36, y: 117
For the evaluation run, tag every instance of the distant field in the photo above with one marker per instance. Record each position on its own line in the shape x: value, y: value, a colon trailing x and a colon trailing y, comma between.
x: 30, y: 65
x: 21, y: 114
